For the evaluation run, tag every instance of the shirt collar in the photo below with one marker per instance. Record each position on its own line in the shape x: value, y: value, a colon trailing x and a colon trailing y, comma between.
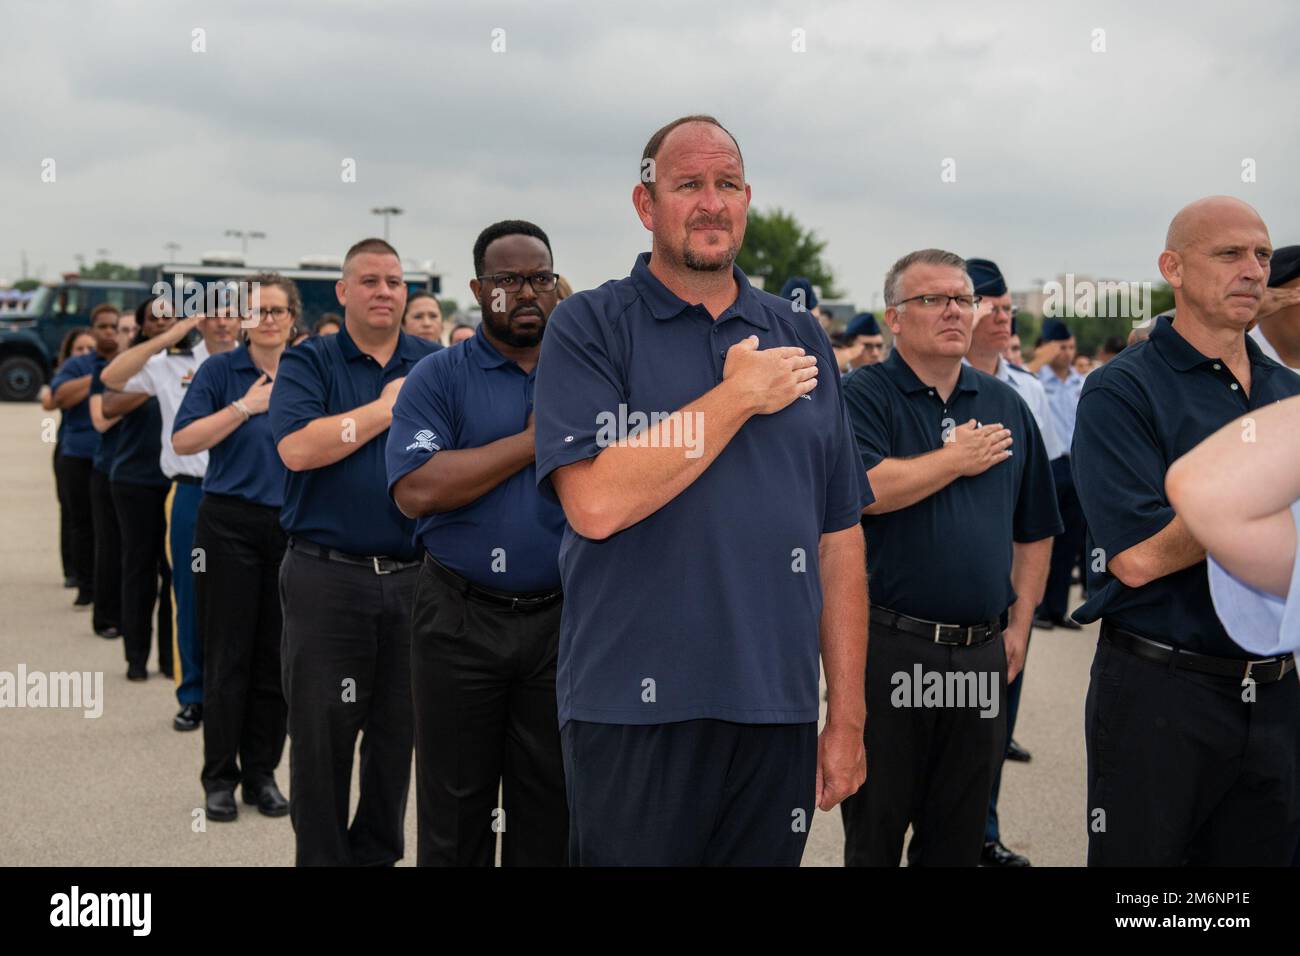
x: 902, y: 375
x: 406, y: 347
x: 1182, y: 356
x: 665, y: 304
x: 483, y: 352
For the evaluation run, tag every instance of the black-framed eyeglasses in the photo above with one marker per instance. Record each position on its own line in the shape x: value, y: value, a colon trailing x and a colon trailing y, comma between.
x: 965, y: 303
x: 275, y: 313
x: 514, y: 282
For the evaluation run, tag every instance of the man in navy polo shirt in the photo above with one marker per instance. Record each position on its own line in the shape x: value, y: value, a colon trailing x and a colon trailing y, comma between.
x: 1193, y: 743
x: 958, y: 542
x: 486, y: 625
x: 694, y: 430
x: 349, y: 573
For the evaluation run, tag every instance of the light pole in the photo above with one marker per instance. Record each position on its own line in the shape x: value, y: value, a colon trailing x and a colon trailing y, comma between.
x: 386, y: 212
x: 171, y: 248
x: 243, y: 235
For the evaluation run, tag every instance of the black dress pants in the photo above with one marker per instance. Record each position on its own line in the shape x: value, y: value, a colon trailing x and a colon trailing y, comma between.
x: 1066, y: 546
x: 108, y: 554
x: 931, y: 766
x: 146, y: 575
x: 691, y: 793
x: 238, y: 608
x: 346, y: 664
x: 1183, y: 771
x: 74, y: 481
x: 483, y: 684
x: 65, y: 523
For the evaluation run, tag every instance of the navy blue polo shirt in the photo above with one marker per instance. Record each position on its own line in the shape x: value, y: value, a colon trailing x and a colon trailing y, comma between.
x: 1139, y: 413
x: 708, y: 608
x: 107, y: 449
x: 80, y: 440
x: 467, y: 397
x: 344, y: 506
x: 948, y: 557
x: 139, y: 448
x: 245, y: 463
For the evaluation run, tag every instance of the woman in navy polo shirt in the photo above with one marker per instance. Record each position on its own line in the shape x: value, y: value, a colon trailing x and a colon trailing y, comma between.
x: 76, y: 343
x: 139, y: 493
x: 238, y: 539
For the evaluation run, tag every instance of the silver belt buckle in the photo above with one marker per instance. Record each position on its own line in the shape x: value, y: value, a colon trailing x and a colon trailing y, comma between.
x: 1249, y: 664
x: 936, y: 633
x: 378, y: 569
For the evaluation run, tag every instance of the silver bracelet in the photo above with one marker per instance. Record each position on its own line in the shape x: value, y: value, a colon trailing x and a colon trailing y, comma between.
x: 239, y: 406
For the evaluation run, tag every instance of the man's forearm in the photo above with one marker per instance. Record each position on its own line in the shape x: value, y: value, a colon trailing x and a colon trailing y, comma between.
x: 117, y: 404
x: 843, y: 627
x: 129, y: 363
x: 624, y: 484
x: 1170, y: 549
x: 332, y: 438
x: 1030, y: 562
x: 899, y: 483
x: 455, y: 477
x: 72, y: 393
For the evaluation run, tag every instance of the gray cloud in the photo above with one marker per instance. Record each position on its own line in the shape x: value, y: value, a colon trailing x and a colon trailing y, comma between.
x: 1066, y: 159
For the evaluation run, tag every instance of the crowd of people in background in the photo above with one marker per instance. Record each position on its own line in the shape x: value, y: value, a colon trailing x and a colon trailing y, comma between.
x: 368, y: 528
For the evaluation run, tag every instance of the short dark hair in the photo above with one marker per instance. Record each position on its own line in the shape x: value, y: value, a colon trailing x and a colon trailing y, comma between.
x: 506, y: 227
x: 1113, y: 344
x: 327, y: 319
x: 378, y: 246
x: 101, y: 309
x: 656, y: 142
x: 422, y: 294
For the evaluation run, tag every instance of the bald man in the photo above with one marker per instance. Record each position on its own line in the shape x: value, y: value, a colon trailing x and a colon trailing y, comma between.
x: 1193, y: 742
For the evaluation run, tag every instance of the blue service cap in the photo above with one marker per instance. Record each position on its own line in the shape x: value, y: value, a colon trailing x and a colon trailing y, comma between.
x: 1284, y: 266
x: 986, y: 277
x: 1054, y: 330
x: 799, y: 282
x: 864, y: 323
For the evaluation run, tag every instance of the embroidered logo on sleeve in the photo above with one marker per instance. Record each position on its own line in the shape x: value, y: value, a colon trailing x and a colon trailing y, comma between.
x: 425, y: 440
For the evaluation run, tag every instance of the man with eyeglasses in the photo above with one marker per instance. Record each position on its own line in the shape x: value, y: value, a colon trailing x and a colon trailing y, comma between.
x: 865, y: 331
x: 486, y: 623
x: 995, y: 323
x: 957, y: 544
x: 693, y: 428
x: 348, y: 576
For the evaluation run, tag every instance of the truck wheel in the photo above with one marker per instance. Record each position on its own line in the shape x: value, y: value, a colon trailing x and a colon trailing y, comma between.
x: 20, y: 379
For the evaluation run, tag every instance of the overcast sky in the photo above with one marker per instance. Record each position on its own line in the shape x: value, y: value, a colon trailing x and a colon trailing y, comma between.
x: 1066, y: 160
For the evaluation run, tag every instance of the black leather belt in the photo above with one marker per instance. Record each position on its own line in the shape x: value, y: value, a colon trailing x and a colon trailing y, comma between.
x: 1266, y: 670
x: 378, y: 563
x: 516, y: 602
x: 956, y: 635
x: 188, y: 480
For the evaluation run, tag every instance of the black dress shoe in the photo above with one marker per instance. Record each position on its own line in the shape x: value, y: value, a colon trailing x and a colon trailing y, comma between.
x: 84, y: 599
x: 995, y: 854
x: 270, y: 801
x: 1044, y: 623
x: 221, y: 806
x: 1068, y: 624
x: 189, y: 718
x: 108, y: 633
x: 136, y: 674
x: 1018, y: 753
x: 167, y: 672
